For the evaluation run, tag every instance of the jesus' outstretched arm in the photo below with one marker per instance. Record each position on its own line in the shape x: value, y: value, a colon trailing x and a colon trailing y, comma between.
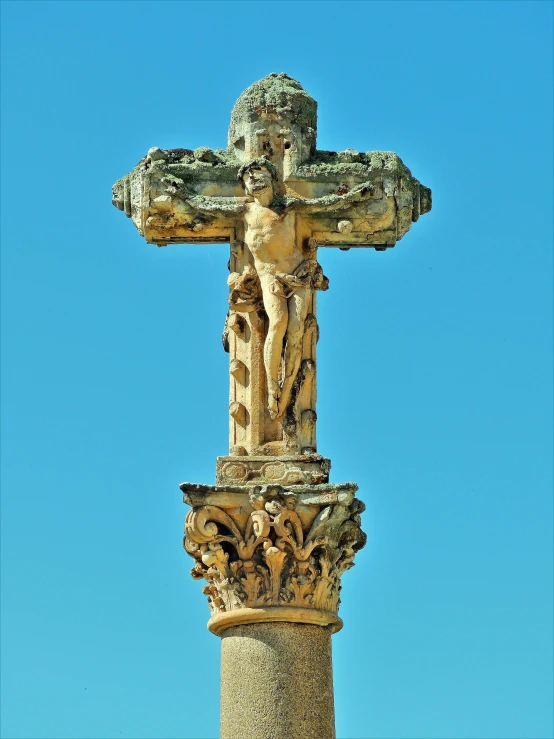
x: 333, y: 202
x: 209, y: 205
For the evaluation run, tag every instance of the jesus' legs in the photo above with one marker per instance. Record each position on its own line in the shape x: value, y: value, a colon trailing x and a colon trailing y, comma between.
x: 297, y: 310
x: 277, y: 313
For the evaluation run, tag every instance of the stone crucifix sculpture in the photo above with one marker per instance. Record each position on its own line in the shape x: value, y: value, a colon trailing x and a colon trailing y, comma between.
x: 286, y: 278
x: 273, y: 536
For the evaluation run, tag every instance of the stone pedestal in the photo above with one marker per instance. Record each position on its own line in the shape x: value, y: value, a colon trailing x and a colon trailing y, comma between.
x: 272, y: 557
x: 277, y: 682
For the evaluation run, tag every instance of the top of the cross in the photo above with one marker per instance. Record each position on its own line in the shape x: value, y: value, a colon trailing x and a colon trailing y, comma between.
x: 276, y: 96
x: 276, y: 118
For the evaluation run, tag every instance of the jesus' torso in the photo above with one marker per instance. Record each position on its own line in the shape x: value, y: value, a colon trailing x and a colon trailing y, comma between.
x: 271, y: 238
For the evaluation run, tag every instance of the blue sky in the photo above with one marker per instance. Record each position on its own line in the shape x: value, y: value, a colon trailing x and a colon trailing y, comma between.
x: 434, y: 364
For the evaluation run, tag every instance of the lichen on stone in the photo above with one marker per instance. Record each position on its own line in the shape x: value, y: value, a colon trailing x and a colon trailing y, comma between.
x: 278, y: 93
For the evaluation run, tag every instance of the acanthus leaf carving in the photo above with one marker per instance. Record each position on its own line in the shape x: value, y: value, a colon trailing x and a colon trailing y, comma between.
x: 271, y: 558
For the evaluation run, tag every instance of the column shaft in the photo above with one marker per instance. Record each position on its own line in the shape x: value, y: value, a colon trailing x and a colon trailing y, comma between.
x: 277, y: 682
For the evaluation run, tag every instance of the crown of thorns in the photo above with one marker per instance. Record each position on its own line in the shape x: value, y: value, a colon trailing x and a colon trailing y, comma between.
x: 257, y: 164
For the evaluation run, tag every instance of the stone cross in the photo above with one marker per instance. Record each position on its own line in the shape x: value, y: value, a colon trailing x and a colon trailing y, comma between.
x: 273, y: 537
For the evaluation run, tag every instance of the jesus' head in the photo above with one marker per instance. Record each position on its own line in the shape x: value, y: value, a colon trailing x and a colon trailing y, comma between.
x: 258, y: 178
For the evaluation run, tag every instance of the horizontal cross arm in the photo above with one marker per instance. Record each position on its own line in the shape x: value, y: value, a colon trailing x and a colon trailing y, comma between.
x: 179, y: 196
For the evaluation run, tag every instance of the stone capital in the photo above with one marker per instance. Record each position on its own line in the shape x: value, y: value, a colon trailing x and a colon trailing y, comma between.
x: 272, y: 553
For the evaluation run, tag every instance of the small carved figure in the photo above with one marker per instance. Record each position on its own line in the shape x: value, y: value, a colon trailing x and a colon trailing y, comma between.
x: 245, y: 295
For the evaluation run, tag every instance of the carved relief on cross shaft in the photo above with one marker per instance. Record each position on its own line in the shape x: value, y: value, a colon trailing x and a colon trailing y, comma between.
x: 274, y: 555
x: 272, y: 341
x: 274, y: 277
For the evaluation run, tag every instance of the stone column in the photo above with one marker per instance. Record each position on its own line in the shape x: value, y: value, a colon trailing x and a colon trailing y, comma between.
x: 277, y: 682
x: 272, y: 557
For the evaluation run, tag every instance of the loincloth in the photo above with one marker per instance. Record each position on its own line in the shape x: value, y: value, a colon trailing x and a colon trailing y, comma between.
x: 307, y: 274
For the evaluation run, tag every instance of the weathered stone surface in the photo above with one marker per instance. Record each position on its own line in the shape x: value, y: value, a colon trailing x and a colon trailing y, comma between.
x: 275, y: 198
x: 277, y: 682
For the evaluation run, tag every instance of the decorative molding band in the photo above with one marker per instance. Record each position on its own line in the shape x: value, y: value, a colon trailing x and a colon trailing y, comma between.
x: 222, y: 621
x: 262, y: 470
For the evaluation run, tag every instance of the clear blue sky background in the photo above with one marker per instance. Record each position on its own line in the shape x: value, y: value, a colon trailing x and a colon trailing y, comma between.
x: 435, y: 364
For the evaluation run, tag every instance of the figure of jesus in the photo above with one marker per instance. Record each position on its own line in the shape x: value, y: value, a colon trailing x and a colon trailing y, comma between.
x: 286, y: 277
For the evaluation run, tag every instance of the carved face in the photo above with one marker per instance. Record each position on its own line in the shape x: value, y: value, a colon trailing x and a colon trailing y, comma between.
x: 257, y: 180
x: 273, y: 507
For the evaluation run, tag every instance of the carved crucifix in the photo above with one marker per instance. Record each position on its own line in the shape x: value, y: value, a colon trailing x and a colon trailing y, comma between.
x: 276, y: 199
x: 272, y: 538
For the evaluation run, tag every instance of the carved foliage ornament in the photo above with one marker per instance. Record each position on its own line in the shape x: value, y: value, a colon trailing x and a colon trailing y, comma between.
x: 272, y: 561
